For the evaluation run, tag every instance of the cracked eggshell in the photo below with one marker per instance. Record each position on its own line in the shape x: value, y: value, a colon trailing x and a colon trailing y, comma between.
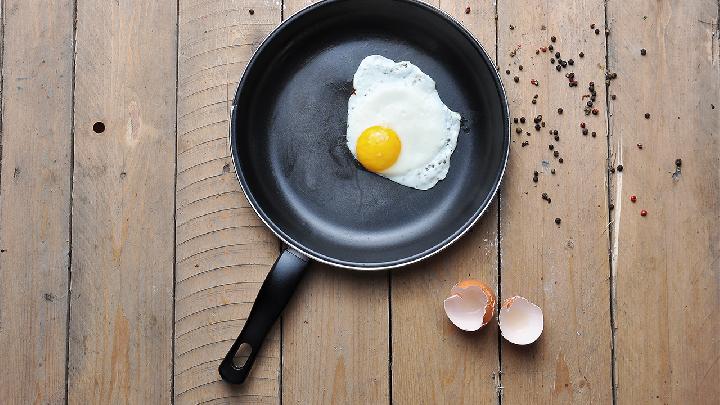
x: 471, y: 305
x: 521, y: 321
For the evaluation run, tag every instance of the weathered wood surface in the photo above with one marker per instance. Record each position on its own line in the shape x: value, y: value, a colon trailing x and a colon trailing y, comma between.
x: 223, y: 250
x: 432, y: 360
x: 37, y: 69
x: 335, y: 332
x: 562, y: 268
x: 121, y: 306
x: 666, y: 264
x: 167, y: 256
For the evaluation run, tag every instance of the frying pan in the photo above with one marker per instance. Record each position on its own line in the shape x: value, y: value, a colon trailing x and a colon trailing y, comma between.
x: 287, y: 135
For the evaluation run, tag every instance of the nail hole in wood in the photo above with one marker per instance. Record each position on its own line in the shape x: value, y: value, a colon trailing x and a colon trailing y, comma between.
x: 99, y: 127
x: 242, y: 355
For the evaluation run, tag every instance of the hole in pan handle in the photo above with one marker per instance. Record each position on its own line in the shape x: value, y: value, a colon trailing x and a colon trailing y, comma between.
x: 274, y: 294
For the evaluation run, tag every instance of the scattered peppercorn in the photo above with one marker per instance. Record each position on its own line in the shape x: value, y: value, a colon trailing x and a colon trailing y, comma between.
x: 584, y: 131
x: 467, y: 10
x: 581, y: 54
x: 555, y: 132
x: 597, y: 31
x: 516, y: 79
x: 592, y: 26
x: 558, y: 220
x: 589, y: 103
x: 552, y: 60
x: 620, y: 168
x: 639, y: 146
x: 613, y: 97
x: 613, y: 75
x: 543, y: 124
x: 595, y: 111
x: 612, y: 170
x: 520, y: 67
x: 643, y: 213
x: 678, y: 162
x: 535, y: 173
x: 518, y: 130
x: 525, y: 143
x: 522, y: 120
x: 551, y: 146
x: 550, y: 48
x: 552, y: 171
x: 560, y: 110
x: 571, y: 62
x: 535, y: 96
x: 556, y: 153
x: 553, y: 38
x: 515, y: 120
x: 537, y: 127
x: 558, y: 67
x: 594, y: 134
x: 643, y: 52
x: 535, y: 179
x: 544, y: 196
x: 560, y: 160
x: 582, y: 125
x: 251, y: 11
x: 537, y: 52
x: 633, y: 198
x: 534, y: 101
x: 534, y: 82
x: 507, y: 72
x: 512, y: 27
x: 647, y: 116
x: 611, y: 206
x: 557, y: 138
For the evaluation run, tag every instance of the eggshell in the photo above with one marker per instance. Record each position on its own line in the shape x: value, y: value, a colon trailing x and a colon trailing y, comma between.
x: 521, y: 321
x: 471, y: 305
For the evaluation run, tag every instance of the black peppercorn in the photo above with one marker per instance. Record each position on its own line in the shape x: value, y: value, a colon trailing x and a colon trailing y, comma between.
x: 581, y: 54
x: 647, y: 116
x: 516, y: 79
x: 560, y: 160
x: 515, y: 120
x: 643, y: 52
x: 620, y: 168
x: 518, y: 130
x: 558, y: 220
x: 678, y: 162
x: 522, y: 120
x: 553, y: 38
x: 507, y: 72
x: 560, y: 110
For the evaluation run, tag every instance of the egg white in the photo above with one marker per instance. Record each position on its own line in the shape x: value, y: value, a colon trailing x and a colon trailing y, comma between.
x: 403, y: 98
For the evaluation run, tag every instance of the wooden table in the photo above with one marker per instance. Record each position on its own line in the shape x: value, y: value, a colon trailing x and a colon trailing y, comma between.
x: 130, y: 258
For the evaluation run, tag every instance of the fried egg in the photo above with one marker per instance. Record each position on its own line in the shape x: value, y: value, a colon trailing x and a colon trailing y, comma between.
x: 397, y: 125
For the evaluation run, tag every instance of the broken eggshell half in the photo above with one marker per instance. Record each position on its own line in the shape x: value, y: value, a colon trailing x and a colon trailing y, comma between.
x: 471, y: 305
x: 521, y: 321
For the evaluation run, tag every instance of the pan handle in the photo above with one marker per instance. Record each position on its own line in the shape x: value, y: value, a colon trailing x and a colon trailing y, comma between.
x: 274, y: 294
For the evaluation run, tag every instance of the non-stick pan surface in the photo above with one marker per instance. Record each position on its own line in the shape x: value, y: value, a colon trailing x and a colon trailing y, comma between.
x: 290, y: 119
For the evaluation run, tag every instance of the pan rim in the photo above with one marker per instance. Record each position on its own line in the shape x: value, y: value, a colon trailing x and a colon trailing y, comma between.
x: 299, y: 247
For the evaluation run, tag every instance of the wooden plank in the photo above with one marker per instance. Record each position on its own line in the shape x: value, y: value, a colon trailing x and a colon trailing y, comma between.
x: 223, y: 250
x: 457, y: 367
x: 563, y: 268
x: 335, y: 332
x: 666, y: 264
x: 37, y: 70
x: 121, y: 314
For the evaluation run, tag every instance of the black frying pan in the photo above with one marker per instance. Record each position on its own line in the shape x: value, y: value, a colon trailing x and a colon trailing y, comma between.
x: 288, y: 143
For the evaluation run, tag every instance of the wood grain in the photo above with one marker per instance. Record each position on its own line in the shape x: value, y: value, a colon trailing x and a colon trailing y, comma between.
x: 121, y: 313
x: 335, y: 332
x: 223, y: 250
x: 666, y: 264
x: 562, y: 268
x: 456, y: 367
x: 37, y: 70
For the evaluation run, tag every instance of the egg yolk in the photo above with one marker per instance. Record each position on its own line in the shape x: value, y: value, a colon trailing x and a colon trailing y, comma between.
x: 377, y: 148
